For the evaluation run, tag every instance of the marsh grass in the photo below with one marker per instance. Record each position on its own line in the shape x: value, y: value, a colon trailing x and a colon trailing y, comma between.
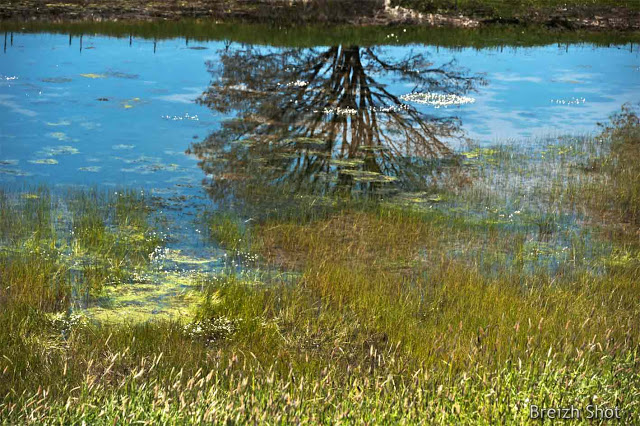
x: 69, y: 246
x: 461, y: 307
x: 227, y: 230
x: 621, y: 167
x: 370, y: 264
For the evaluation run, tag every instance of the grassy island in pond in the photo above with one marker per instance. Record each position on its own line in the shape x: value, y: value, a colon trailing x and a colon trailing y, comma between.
x: 459, y: 304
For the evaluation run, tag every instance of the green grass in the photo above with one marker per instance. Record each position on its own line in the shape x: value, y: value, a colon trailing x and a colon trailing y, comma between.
x: 463, y: 306
x: 240, y: 390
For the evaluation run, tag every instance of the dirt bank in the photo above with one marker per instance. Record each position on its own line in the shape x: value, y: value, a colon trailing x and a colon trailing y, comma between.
x: 369, y: 12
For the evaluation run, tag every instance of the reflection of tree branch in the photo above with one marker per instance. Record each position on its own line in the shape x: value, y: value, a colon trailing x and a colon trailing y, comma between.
x: 352, y: 123
x: 415, y: 69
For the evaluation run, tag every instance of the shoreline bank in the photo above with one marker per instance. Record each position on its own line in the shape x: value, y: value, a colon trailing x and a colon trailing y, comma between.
x: 326, y: 12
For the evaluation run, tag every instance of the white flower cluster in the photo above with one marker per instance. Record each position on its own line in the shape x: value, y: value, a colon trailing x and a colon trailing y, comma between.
x: 159, y: 253
x: 186, y: 116
x: 353, y: 111
x: 297, y: 83
x: 437, y: 100
x: 239, y: 87
x: 571, y: 101
x: 391, y: 108
x: 339, y: 111
x: 64, y: 321
x: 213, y: 329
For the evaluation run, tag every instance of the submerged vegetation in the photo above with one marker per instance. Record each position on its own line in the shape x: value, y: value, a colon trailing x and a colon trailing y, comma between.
x: 457, y: 304
x: 69, y: 248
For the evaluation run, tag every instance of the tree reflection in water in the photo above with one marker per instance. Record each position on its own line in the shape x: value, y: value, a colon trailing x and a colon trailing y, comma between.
x: 325, y: 120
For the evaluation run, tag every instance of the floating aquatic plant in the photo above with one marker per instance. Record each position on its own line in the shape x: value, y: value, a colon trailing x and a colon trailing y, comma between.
x: 93, y: 75
x: 58, y: 135
x: 151, y: 168
x: 59, y: 150
x: 119, y: 74
x: 14, y: 172
x: 49, y: 161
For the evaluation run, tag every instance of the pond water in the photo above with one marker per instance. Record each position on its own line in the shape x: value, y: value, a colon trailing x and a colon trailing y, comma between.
x: 198, y: 124
x: 120, y: 111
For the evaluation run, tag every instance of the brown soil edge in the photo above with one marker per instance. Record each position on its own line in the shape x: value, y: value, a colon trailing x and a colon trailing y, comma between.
x: 367, y: 12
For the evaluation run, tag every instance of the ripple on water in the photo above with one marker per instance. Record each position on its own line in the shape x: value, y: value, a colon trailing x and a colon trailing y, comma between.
x: 13, y: 172
x: 91, y: 169
x: 122, y: 146
x: 59, y: 123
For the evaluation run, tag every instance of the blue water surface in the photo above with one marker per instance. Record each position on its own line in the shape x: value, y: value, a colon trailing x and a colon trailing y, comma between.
x: 104, y: 111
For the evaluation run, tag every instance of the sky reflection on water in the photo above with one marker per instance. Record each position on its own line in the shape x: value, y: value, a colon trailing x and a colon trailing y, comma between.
x: 120, y: 114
